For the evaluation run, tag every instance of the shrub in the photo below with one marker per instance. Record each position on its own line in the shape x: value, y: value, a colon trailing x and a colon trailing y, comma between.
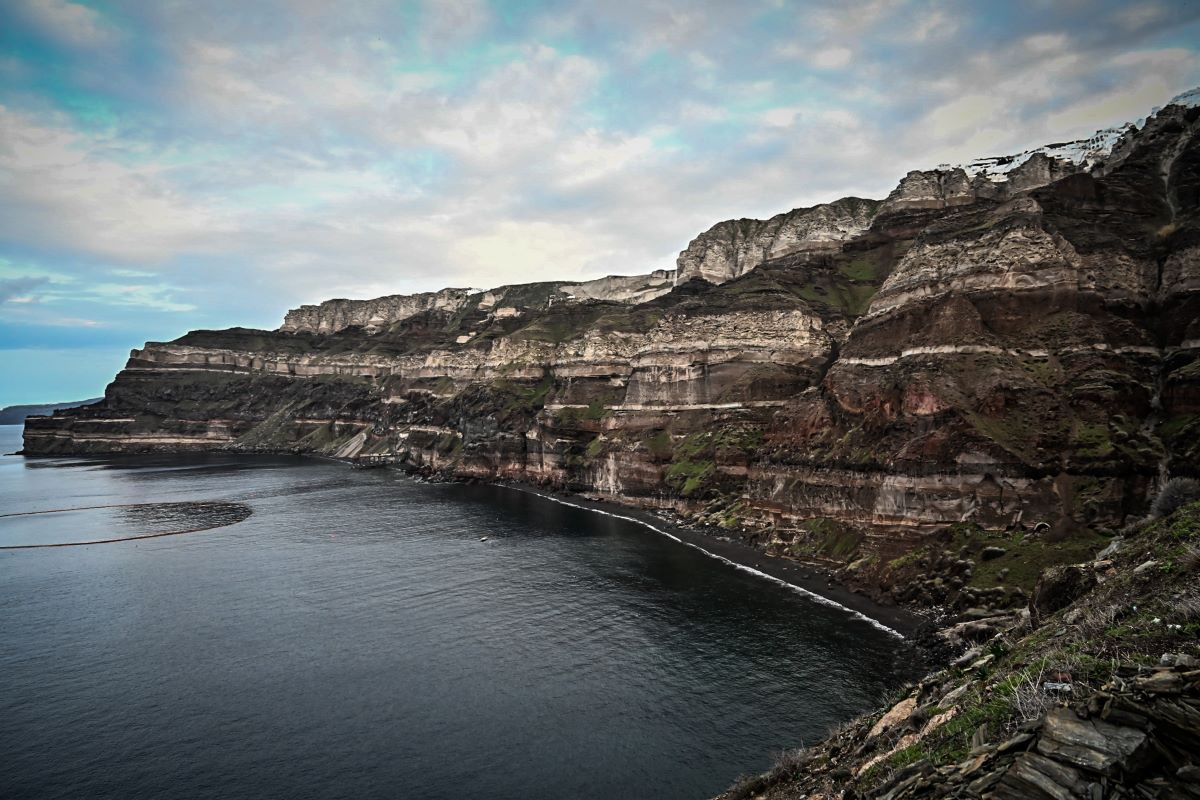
x: 1175, y: 494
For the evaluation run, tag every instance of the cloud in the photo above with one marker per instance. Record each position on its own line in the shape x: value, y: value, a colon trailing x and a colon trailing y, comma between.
x: 141, y: 295
x: 17, y: 290
x: 64, y: 187
x: 1141, y: 15
x: 1157, y: 74
x: 935, y: 25
x: 450, y: 21
x: 832, y: 57
x: 71, y: 23
x: 960, y: 116
x: 389, y: 147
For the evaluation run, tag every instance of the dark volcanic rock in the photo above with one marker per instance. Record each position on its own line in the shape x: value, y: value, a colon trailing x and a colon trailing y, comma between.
x: 1057, y: 588
x: 1091, y: 744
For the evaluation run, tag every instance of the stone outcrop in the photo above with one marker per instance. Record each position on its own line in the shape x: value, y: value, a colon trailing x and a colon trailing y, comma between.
x: 946, y: 188
x: 732, y: 248
x: 374, y: 315
x: 1058, y: 587
x: 631, y: 289
x: 930, y: 189
x: 335, y: 315
x: 1134, y: 732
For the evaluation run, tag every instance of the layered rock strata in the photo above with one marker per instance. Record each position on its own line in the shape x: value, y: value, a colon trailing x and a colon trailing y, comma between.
x: 734, y: 247
x: 838, y: 382
x: 373, y: 316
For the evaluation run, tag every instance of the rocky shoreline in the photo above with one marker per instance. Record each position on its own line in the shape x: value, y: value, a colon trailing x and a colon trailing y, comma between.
x: 810, y: 579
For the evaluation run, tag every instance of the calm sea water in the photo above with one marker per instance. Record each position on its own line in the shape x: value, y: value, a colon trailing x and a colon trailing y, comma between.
x: 345, y: 633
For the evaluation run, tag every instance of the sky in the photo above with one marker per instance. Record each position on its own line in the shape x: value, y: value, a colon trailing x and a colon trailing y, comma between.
x: 167, y: 165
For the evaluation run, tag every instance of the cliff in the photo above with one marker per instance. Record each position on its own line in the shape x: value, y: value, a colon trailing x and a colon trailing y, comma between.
x: 373, y: 315
x: 15, y: 415
x: 997, y: 349
x: 734, y: 247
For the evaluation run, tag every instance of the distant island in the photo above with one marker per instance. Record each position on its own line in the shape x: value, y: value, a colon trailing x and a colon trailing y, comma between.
x: 15, y: 415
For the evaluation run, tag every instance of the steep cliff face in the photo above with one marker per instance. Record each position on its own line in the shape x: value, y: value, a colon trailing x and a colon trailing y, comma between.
x: 734, y: 247
x: 1013, y: 364
x: 335, y: 315
x: 836, y: 382
x: 504, y: 301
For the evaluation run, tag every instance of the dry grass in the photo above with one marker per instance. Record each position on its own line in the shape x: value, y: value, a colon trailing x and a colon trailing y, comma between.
x: 1030, y: 700
x: 1185, y: 609
x: 1096, y: 619
x: 788, y: 765
x: 1189, y: 556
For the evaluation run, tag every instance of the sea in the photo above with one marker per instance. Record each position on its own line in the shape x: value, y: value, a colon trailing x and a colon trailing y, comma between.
x: 224, y: 626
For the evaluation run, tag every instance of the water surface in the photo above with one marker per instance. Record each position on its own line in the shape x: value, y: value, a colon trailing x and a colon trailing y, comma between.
x: 347, y: 634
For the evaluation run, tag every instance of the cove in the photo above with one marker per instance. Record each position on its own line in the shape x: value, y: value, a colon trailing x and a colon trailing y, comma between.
x: 353, y: 637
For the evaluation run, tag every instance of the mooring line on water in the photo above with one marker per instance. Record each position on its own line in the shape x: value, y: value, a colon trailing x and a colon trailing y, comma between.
x: 111, y: 541
x: 114, y: 540
x: 111, y: 505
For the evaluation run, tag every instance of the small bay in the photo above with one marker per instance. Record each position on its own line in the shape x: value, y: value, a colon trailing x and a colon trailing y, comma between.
x: 325, y: 632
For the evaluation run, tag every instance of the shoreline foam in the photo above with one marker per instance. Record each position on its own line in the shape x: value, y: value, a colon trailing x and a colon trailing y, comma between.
x: 899, y: 623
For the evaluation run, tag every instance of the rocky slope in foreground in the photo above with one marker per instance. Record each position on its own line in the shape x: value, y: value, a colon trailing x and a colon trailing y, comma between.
x: 1093, y: 692
x: 971, y: 355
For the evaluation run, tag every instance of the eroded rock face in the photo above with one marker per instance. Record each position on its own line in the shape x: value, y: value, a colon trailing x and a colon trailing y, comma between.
x: 734, y: 247
x: 631, y: 289
x: 335, y: 315
x: 947, y: 188
x: 930, y: 189
x: 1002, y: 361
x: 372, y: 316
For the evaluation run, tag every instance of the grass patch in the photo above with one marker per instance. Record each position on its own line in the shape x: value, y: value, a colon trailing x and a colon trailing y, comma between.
x: 1028, y: 556
x: 828, y: 538
x: 1092, y: 439
x: 688, y: 477
x: 594, y: 411
x: 523, y: 397
x: 866, y: 267
x: 660, y: 445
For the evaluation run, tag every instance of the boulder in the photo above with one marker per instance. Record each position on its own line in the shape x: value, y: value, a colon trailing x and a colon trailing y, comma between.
x: 1092, y: 744
x: 897, y: 715
x: 1057, y: 588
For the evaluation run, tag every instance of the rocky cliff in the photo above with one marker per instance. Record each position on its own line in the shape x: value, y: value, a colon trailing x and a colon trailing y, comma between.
x: 734, y: 247
x: 373, y: 315
x: 838, y: 383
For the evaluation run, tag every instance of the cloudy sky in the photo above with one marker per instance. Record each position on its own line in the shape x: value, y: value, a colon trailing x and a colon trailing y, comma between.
x: 168, y: 165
